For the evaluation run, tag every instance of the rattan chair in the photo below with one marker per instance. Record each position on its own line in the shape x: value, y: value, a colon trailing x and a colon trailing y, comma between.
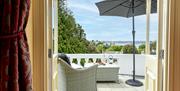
x: 70, y: 79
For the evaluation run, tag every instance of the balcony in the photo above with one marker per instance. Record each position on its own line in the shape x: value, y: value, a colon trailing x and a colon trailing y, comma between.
x: 124, y: 63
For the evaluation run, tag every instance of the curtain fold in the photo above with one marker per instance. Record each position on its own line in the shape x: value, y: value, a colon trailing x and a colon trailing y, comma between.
x: 15, y: 66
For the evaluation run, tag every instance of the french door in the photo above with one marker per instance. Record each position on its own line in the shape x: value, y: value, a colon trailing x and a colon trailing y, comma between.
x: 155, y: 68
x: 52, y: 43
x: 55, y: 45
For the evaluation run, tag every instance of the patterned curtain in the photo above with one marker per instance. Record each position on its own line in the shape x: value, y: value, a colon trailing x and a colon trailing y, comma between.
x: 15, y: 68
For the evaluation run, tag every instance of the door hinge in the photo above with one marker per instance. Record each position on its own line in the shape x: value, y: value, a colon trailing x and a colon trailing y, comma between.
x: 161, y: 54
x: 50, y: 53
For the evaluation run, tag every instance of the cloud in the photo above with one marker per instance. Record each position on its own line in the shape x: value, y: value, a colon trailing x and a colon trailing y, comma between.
x: 108, y: 27
x: 82, y: 6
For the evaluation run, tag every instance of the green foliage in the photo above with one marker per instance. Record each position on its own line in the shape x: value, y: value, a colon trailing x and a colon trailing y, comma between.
x: 75, y: 61
x: 72, y: 38
x: 99, y: 43
x: 92, y: 47
x: 98, y: 60
x: 141, y: 48
x: 100, y: 48
x: 128, y: 49
x: 90, y: 60
x: 115, y: 48
x: 82, y: 62
x: 153, y: 47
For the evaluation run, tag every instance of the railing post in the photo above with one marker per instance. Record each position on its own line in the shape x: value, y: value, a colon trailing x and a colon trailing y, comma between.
x: 94, y: 60
x: 71, y: 60
x: 86, y: 59
x: 79, y: 61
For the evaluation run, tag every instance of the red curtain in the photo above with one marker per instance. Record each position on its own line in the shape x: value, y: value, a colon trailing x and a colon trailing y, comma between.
x: 15, y: 68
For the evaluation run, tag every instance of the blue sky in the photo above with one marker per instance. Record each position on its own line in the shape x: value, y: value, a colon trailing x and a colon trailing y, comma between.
x: 109, y: 28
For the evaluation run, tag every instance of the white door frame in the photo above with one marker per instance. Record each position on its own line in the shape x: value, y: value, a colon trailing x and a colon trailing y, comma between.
x: 162, y: 43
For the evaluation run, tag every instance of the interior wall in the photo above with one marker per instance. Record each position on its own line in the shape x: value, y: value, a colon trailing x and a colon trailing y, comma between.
x: 174, y: 46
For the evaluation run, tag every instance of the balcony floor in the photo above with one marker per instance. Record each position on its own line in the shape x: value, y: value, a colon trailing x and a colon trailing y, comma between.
x: 121, y: 86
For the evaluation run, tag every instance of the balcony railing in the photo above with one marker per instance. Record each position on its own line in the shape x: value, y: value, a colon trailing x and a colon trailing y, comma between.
x: 124, y: 61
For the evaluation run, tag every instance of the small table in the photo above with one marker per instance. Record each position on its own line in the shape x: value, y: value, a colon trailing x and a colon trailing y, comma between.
x: 108, y: 72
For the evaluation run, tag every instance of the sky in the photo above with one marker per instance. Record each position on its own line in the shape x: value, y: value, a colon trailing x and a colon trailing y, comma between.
x: 110, y: 28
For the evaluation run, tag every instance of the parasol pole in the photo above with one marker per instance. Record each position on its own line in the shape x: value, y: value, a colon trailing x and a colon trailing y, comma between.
x: 133, y: 33
x: 133, y: 82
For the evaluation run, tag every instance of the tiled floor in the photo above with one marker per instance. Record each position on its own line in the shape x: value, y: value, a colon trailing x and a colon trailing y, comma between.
x: 121, y: 86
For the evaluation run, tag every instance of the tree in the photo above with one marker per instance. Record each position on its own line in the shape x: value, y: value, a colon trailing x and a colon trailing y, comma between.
x: 141, y: 48
x: 115, y: 48
x: 153, y: 47
x: 71, y: 36
x: 128, y: 49
x: 99, y: 43
x: 92, y: 47
x: 100, y: 48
